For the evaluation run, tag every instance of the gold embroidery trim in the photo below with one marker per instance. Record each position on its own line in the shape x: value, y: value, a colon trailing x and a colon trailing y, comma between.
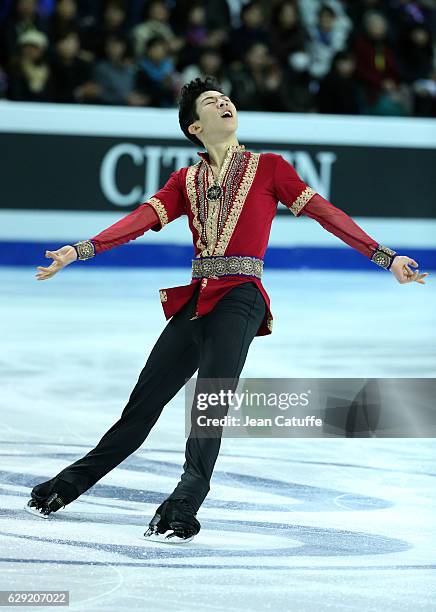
x: 85, y: 249
x: 212, y: 232
x: 192, y: 195
x: 226, y: 162
x: 269, y: 323
x: 238, y: 203
x: 302, y: 200
x: 163, y: 295
x: 160, y: 210
x: 212, y: 226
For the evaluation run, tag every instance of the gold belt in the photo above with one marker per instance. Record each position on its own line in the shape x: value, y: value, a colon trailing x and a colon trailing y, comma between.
x: 223, y: 265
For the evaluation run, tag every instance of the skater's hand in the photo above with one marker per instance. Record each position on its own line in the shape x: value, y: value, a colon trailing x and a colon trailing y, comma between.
x: 403, y: 273
x: 61, y: 258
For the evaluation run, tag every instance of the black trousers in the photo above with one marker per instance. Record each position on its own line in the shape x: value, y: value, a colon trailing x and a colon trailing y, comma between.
x: 215, y: 344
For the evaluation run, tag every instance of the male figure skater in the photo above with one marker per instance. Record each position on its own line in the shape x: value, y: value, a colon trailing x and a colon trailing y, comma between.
x: 230, y: 198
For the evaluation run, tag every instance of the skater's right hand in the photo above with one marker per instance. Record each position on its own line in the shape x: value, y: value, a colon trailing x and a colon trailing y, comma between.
x: 61, y: 258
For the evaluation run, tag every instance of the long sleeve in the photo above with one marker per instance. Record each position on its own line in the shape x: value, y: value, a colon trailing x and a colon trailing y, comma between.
x: 128, y: 228
x: 337, y: 222
x: 303, y: 200
x: 165, y: 206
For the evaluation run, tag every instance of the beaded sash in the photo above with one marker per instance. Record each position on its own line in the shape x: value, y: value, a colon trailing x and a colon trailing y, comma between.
x: 226, y: 265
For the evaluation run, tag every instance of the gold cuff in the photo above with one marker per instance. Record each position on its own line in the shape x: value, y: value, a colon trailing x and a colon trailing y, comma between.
x: 85, y: 249
x: 383, y: 256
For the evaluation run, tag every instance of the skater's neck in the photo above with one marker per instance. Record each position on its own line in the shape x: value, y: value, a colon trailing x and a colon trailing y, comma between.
x: 217, y: 151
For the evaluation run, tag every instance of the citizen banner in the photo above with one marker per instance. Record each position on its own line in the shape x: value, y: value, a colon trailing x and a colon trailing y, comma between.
x: 97, y: 173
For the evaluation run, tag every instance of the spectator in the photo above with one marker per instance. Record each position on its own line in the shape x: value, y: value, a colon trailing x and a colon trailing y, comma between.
x: 326, y: 39
x: 424, y: 96
x: 196, y: 29
x: 357, y: 11
x: 309, y: 10
x: 72, y: 72
x: 195, y: 34
x: 259, y: 83
x: 377, y: 69
x: 217, y: 14
x: 404, y: 14
x: 155, y: 24
x: 63, y: 20
x: 247, y: 75
x: 208, y: 24
x: 115, y: 75
x: 209, y: 63
x: 339, y: 91
x: 113, y: 22
x: 301, y: 83
x: 416, y: 54
x: 3, y: 83
x: 252, y: 30
x: 156, y: 76
x: 287, y: 32
x: 416, y: 57
x: 23, y: 18
x: 30, y: 72
x: 394, y: 73
x: 198, y: 36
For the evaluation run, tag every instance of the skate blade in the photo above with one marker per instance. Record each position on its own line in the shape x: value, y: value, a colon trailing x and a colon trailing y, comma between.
x: 169, y: 537
x: 35, y: 512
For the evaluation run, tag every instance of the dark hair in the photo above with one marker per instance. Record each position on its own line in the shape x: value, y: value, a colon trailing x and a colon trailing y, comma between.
x: 153, y: 41
x: 346, y: 54
x: 276, y: 14
x: 120, y: 4
x: 66, y: 33
x: 145, y: 13
x: 117, y: 38
x: 325, y: 8
x: 247, y: 7
x: 187, y: 109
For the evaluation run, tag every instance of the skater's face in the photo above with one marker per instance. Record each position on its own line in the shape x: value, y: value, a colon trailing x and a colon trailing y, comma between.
x: 217, y: 117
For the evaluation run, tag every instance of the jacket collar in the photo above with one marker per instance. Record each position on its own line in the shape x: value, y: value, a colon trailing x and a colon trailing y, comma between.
x: 231, y: 149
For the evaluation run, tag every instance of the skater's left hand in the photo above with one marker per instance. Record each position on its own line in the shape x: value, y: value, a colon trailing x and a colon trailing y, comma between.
x: 403, y: 273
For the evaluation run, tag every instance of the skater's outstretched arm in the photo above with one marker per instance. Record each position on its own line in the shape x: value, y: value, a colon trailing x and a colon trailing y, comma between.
x: 165, y: 206
x: 303, y: 200
x: 337, y: 222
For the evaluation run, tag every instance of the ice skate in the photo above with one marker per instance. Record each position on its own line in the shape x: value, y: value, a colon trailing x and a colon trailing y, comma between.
x: 44, y: 508
x: 173, y: 523
x: 49, y: 497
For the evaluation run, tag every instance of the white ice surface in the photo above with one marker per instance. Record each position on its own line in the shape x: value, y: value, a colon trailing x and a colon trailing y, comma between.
x: 303, y: 525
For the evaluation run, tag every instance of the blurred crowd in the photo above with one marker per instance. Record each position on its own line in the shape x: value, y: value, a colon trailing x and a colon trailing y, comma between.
x: 373, y: 57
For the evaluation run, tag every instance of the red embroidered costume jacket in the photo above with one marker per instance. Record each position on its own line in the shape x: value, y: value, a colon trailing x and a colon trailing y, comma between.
x: 237, y: 224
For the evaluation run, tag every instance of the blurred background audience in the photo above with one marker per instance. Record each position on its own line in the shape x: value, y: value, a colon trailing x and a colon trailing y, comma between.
x: 374, y: 57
